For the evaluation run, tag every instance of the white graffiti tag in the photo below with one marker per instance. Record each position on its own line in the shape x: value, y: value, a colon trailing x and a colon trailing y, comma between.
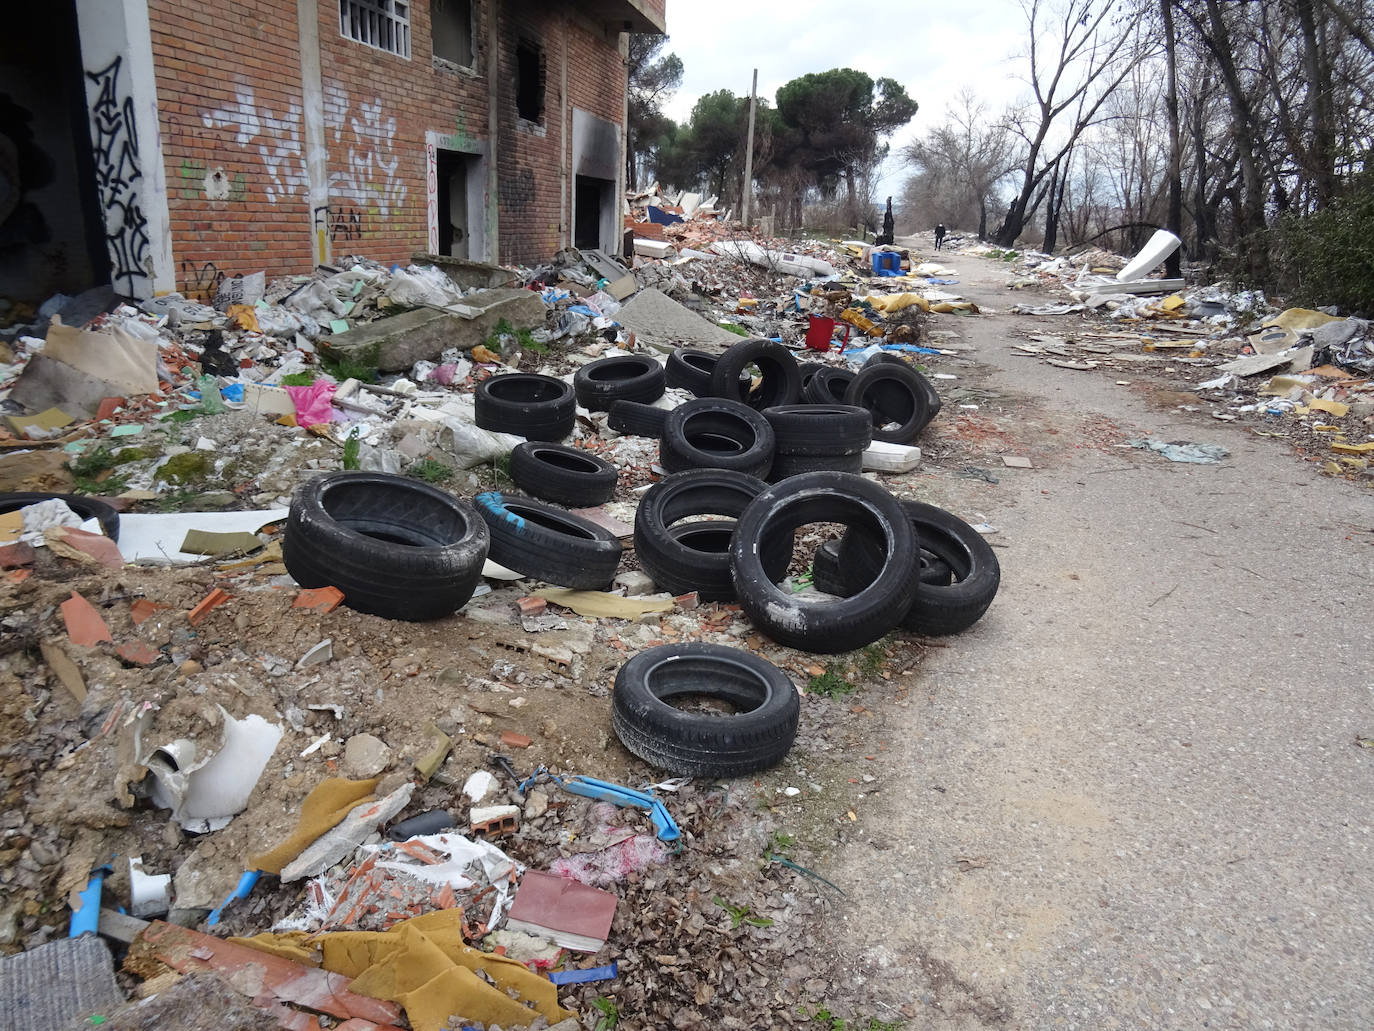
x: 277, y: 138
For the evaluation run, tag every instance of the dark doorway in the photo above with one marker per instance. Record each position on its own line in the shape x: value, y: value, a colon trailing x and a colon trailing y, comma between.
x: 457, y: 175
x: 591, y: 198
x: 52, y: 234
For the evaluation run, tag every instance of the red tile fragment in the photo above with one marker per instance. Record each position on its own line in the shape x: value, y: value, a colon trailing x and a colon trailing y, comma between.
x: 96, y: 545
x: 688, y: 601
x: 139, y: 653
x: 276, y: 980
x: 210, y: 601
x: 143, y: 609
x: 84, y: 625
x: 321, y: 599
x: 511, y: 739
x: 17, y: 555
x: 18, y: 576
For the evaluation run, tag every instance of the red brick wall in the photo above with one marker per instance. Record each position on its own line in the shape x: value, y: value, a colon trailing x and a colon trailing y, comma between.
x: 237, y: 65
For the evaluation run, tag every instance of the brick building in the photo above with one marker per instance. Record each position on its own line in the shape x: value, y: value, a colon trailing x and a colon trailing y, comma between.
x: 173, y: 142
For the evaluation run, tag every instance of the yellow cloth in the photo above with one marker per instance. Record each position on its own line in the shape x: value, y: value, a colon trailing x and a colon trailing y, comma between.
x: 329, y: 802
x: 425, y: 965
x: 896, y: 302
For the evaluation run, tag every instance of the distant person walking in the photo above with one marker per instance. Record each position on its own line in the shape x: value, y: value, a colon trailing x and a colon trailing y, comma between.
x: 939, y: 236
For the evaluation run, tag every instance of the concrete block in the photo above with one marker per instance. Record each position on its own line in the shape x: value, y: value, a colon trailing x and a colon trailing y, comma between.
x: 465, y: 273
x: 48, y: 383
x: 395, y: 344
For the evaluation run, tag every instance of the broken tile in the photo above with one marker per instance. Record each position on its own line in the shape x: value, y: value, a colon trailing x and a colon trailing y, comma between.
x: 16, y: 555
x: 139, y: 653
x: 321, y: 599
x: 214, y: 598
x: 510, y: 739
x: 1016, y: 462
x: 143, y: 609
x: 84, y: 625
x: 83, y: 546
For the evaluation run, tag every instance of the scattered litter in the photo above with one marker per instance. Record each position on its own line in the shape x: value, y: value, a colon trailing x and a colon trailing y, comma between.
x: 1183, y: 451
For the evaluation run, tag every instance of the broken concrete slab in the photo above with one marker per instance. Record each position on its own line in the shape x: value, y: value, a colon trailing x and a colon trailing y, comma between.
x: 466, y: 273
x: 395, y: 344
x: 1295, y: 359
x: 48, y: 383
x: 58, y: 985
x: 660, y: 322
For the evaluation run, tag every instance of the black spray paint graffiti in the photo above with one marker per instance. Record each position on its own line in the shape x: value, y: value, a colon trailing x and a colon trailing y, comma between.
x: 345, y: 224
x: 117, y: 175
x: 518, y: 191
x: 201, y: 283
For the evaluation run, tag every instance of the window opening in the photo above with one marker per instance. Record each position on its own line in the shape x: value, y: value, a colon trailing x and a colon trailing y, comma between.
x: 451, y: 26
x: 384, y: 24
x: 529, y: 81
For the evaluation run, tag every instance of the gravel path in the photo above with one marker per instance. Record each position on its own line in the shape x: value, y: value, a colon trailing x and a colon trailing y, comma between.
x: 1131, y: 796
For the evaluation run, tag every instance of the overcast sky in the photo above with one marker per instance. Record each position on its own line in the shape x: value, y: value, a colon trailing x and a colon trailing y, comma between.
x: 934, y: 50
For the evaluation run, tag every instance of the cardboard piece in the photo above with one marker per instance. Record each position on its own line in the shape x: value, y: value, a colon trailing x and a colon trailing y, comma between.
x: 601, y: 605
x: 64, y: 669
x: 126, y: 362
x: 44, y: 422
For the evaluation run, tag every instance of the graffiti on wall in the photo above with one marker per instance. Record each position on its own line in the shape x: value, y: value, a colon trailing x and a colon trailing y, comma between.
x: 361, y: 139
x: 368, y: 179
x: 202, y: 281
x: 118, y: 177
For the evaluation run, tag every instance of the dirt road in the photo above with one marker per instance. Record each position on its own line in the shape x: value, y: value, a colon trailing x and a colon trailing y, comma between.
x: 1132, y: 795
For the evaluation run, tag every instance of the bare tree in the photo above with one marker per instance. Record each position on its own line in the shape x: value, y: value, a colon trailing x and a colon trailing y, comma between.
x: 959, y: 166
x: 1080, y: 52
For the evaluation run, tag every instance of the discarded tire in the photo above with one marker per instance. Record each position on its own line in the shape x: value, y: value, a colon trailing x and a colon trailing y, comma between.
x: 637, y: 419
x: 394, y: 546
x: 897, y: 396
x: 786, y: 466
x: 566, y: 475
x: 826, y: 575
x: 780, y: 382
x: 715, y: 433
x: 690, y: 370
x: 827, y: 386
x: 938, y: 608
x: 935, y: 403
x: 631, y: 377
x: 820, y: 624
x: 704, y: 744
x: 695, y: 555
x: 547, y: 543
x: 527, y: 405
x: 820, y: 429
x: 85, y: 507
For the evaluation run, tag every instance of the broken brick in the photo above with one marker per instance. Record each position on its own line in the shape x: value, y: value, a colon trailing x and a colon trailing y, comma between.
x: 66, y: 540
x: 210, y: 601
x: 108, y: 406
x: 531, y: 606
x: 84, y: 625
x: 511, y: 739
x: 688, y: 601
x: 321, y: 599
x: 17, y: 555
x: 143, y: 609
x: 138, y: 653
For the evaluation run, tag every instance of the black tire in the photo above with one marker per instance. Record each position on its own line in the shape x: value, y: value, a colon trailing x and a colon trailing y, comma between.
x: 547, y: 543
x: 714, y: 433
x: 786, y: 466
x: 689, y: 369
x: 527, y: 405
x: 84, y: 506
x: 827, y: 386
x: 938, y: 608
x: 893, y: 394
x: 394, y: 546
x: 687, y: 556
x: 700, y: 744
x: 636, y: 419
x: 826, y: 574
x: 935, y: 403
x: 629, y: 377
x: 818, y: 624
x: 566, y: 475
x: 816, y: 429
x: 781, y: 382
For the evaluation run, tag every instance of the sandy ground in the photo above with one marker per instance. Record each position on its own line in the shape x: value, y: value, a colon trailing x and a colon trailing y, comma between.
x: 1132, y: 795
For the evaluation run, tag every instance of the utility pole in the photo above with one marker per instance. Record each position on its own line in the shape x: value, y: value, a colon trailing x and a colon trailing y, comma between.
x: 749, y: 151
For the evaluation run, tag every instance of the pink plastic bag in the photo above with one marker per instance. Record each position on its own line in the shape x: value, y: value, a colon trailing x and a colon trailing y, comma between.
x: 313, y: 403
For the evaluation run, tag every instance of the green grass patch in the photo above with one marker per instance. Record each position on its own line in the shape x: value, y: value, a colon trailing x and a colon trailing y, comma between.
x: 831, y: 1022
x: 608, y: 1017
x: 298, y: 379
x: 872, y: 659
x: 833, y: 683
x: 346, y: 368
x: 779, y: 844
x: 731, y: 327
x: 351, y: 450
x: 430, y: 471
x: 740, y: 915
x: 93, y: 462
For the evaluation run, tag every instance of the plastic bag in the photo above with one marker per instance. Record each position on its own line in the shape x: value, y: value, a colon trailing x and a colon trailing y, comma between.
x: 416, y: 286
x: 313, y: 403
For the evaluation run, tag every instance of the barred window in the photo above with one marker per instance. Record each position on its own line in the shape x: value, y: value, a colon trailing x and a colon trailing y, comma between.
x: 384, y: 24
